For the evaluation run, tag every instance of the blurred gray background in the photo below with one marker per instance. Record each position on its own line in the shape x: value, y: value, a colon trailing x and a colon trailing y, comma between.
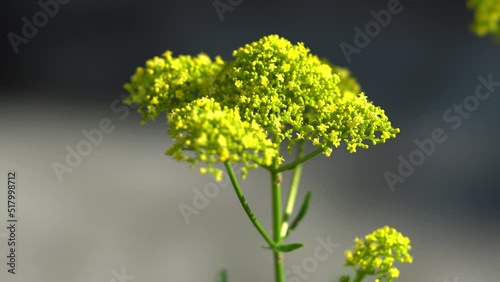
x: 119, y: 208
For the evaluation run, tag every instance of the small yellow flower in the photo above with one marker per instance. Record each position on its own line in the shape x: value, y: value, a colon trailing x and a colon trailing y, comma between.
x: 348, y: 255
x: 394, y: 272
x: 351, y: 148
x: 286, y: 67
x: 376, y: 254
x: 218, y: 175
x: 264, y: 80
x: 222, y: 141
x: 202, y: 140
x: 224, y: 155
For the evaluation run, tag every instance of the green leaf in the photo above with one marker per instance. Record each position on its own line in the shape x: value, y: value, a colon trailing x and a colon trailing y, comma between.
x: 288, y: 247
x: 221, y: 275
x: 344, y: 278
x: 302, y: 212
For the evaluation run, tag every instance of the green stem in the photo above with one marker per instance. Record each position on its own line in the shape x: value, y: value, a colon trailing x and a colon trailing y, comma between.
x: 294, y: 188
x: 360, y: 275
x: 297, y: 162
x: 246, y: 207
x: 279, y: 268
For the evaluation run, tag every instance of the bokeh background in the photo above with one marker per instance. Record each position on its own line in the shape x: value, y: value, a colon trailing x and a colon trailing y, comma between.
x: 119, y: 208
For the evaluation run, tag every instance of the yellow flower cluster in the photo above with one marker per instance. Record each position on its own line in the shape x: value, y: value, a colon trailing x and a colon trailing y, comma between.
x: 218, y: 134
x: 294, y: 95
x: 376, y: 254
x: 348, y: 84
x: 486, y: 17
x: 272, y: 90
x: 168, y: 82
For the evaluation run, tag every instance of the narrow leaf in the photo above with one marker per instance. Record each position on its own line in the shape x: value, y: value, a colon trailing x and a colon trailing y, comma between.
x: 288, y: 247
x: 344, y: 278
x: 302, y: 212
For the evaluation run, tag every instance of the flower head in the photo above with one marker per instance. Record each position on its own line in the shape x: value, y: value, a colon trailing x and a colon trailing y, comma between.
x: 348, y: 84
x: 486, y: 17
x: 242, y: 110
x: 168, y: 82
x: 294, y: 95
x: 213, y: 133
x: 376, y: 254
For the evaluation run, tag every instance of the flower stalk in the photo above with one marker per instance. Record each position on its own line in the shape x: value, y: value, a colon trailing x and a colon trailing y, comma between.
x: 279, y: 268
x: 242, y: 111
x: 246, y: 207
x: 294, y: 188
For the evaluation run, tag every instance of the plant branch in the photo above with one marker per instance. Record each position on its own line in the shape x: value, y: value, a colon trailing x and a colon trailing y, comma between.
x: 297, y: 162
x: 360, y: 275
x: 246, y: 207
x: 294, y: 188
x: 279, y: 267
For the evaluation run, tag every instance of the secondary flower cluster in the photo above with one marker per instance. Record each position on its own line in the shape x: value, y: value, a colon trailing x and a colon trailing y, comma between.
x: 348, y: 84
x: 166, y: 83
x: 218, y: 134
x: 486, y: 16
x: 377, y: 253
x: 242, y: 110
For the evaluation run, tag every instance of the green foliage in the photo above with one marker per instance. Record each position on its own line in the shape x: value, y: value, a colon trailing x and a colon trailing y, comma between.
x: 302, y: 212
x: 221, y: 275
x: 242, y: 110
x: 289, y: 247
x: 376, y: 254
x: 486, y: 17
x: 344, y: 278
